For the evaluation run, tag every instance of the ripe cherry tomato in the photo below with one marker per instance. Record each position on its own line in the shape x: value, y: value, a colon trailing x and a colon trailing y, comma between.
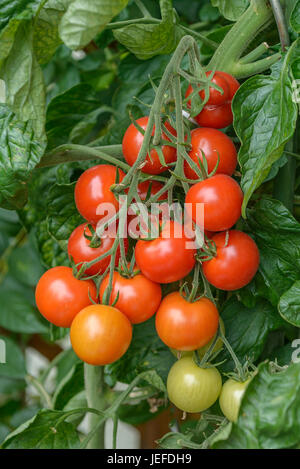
x: 100, y: 334
x: 217, y: 111
x: 156, y: 186
x: 138, y: 297
x: 202, y: 350
x: 186, y: 326
x: 214, y: 144
x: 215, y: 97
x: 60, y: 296
x: 93, y: 189
x: 235, y: 264
x: 191, y: 388
x: 80, y: 251
x: 231, y: 397
x: 222, y: 198
x: 132, y: 142
x: 167, y: 258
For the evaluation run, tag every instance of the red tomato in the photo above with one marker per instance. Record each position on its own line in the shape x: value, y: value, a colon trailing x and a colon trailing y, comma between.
x: 222, y: 198
x: 235, y: 264
x: 213, y: 144
x: 100, y: 334
x: 186, y: 326
x: 80, y: 251
x: 132, y: 142
x: 138, y: 297
x: 168, y: 258
x: 93, y: 189
x: 217, y: 113
x: 156, y: 186
x: 216, y: 117
x: 60, y: 296
x: 215, y: 97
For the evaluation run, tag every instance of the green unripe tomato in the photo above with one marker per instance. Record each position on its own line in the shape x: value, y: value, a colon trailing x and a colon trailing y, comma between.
x: 201, y: 351
x: 230, y: 398
x: 191, y: 388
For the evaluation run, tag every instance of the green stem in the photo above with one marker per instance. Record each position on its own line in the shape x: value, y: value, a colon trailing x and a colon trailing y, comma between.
x: 214, y: 45
x: 70, y: 152
x: 41, y: 390
x: 94, y: 385
x: 255, y: 53
x: 256, y: 18
x: 143, y: 9
x: 281, y: 24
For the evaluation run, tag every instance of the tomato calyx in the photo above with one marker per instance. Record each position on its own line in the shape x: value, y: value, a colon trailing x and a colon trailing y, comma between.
x: 95, y: 241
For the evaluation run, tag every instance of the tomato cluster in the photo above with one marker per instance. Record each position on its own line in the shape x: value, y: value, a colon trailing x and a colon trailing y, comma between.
x: 100, y: 318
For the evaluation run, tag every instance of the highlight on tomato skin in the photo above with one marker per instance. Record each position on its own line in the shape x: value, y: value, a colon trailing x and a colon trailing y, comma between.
x: 100, y: 334
x: 93, y: 192
x: 60, y: 296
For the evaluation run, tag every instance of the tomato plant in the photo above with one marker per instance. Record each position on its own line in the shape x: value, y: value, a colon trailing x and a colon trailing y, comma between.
x: 122, y: 123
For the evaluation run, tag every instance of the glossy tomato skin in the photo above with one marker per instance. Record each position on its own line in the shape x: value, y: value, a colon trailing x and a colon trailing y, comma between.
x: 100, y: 334
x: 202, y: 350
x: 217, y: 114
x: 231, y: 397
x: 235, y: 264
x: 215, y: 97
x: 80, y: 251
x: 167, y: 258
x: 217, y: 117
x: 138, y: 297
x: 60, y: 296
x: 132, y: 142
x: 222, y: 198
x: 213, y: 143
x: 186, y: 326
x: 93, y: 189
x: 191, y: 388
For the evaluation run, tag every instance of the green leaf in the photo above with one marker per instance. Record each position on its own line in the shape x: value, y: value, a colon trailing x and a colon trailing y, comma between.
x: 231, y: 9
x: 25, y: 90
x: 155, y: 380
x: 72, y: 384
x: 46, y: 36
x: 20, y: 152
x: 277, y: 235
x: 247, y: 329
x: 14, y: 366
x: 269, y: 414
x: 174, y: 440
x: 24, y: 264
x: 265, y: 117
x: 85, y: 19
x: 44, y: 431
x: 146, y: 352
x: 63, y: 217
x: 50, y: 251
x: 19, y: 315
x: 148, y: 40
x: 12, y: 13
x: 139, y: 413
x: 295, y: 17
x: 289, y: 304
x: 66, y: 110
